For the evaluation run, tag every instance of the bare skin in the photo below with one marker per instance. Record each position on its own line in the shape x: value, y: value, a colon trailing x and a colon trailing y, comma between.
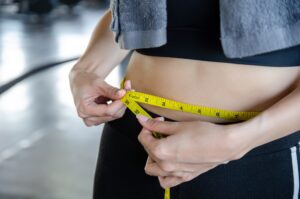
x: 215, y: 84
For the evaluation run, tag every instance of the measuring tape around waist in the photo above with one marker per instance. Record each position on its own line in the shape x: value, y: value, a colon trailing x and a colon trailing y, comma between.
x: 132, y: 98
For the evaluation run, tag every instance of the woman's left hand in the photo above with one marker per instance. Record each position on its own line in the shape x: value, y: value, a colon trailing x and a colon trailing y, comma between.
x: 189, y: 148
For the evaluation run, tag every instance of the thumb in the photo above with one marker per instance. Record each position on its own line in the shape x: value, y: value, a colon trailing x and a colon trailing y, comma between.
x: 113, y: 92
x: 157, y: 125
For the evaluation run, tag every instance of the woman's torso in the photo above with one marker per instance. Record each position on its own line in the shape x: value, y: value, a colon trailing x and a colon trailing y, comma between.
x: 214, y: 84
x: 191, y: 67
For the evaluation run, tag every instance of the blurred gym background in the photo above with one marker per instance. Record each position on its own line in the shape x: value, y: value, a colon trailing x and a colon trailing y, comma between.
x: 46, y: 152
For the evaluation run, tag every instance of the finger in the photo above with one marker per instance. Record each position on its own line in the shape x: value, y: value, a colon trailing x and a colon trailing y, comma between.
x: 169, y: 181
x: 127, y: 85
x: 94, y: 121
x: 121, y: 112
x: 146, y: 135
x: 152, y: 145
x: 99, y: 120
x: 112, y: 92
x: 175, y: 167
x: 95, y: 109
x: 164, y: 127
x: 152, y: 169
x: 101, y: 110
x: 114, y: 108
x: 174, y: 180
x: 103, y: 99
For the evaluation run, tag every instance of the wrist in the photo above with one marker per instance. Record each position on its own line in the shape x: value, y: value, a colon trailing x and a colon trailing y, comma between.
x: 245, y: 136
x: 90, y: 67
x: 81, y: 78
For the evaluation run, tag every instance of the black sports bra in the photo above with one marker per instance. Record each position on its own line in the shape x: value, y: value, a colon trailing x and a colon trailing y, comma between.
x: 193, y: 32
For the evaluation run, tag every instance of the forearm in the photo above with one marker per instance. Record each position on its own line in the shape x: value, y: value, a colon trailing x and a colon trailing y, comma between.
x: 280, y: 120
x: 102, y: 53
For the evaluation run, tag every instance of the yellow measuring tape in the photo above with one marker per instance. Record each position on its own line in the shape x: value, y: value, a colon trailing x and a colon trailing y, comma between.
x: 132, y: 98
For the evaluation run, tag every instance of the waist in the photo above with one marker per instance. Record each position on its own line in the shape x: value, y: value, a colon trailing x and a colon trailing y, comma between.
x: 129, y: 122
x: 219, y: 85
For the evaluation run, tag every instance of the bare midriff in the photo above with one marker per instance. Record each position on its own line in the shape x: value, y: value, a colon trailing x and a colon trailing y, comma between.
x: 220, y: 85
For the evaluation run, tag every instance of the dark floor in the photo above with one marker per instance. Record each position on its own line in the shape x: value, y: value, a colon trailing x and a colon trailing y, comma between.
x: 45, y: 150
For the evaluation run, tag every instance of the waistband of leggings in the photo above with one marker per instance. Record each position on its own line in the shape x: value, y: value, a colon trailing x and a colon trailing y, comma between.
x: 129, y: 121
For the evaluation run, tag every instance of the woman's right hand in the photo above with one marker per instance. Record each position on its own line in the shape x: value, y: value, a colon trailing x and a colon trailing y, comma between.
x: 92, y: 97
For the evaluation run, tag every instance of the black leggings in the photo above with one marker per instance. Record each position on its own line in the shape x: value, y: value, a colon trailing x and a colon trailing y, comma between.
x: 267, y: 172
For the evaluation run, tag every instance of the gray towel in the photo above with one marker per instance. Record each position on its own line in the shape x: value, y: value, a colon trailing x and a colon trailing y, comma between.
x: 139, y: 23
x: 248, y: 27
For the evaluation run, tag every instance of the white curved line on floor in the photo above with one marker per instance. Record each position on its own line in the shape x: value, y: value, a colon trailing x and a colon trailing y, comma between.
x: 22, y: 145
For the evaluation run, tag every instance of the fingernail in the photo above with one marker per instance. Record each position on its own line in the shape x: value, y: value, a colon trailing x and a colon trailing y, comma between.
x: 121, y: 92
x: 160, y: 118
x: 129, y: 83
x: 142, y: 117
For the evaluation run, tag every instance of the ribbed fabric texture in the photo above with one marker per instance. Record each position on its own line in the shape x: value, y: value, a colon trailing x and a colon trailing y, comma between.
x: 139, y: 23
x: 251, y: 27
x: 248, y: 27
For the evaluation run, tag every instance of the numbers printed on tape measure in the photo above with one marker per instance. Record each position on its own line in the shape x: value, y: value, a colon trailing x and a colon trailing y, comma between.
x: 184, y: 107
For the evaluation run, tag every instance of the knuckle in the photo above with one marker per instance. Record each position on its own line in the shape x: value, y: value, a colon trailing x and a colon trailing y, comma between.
x: 167, y: 167
x: 147, y: 171
x: 80, y: 114
x: 159, y: 152
x: 87, y: 123
x: 82, y: 109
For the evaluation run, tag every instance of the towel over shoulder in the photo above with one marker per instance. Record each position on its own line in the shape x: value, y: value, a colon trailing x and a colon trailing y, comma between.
x: 248, y: 27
